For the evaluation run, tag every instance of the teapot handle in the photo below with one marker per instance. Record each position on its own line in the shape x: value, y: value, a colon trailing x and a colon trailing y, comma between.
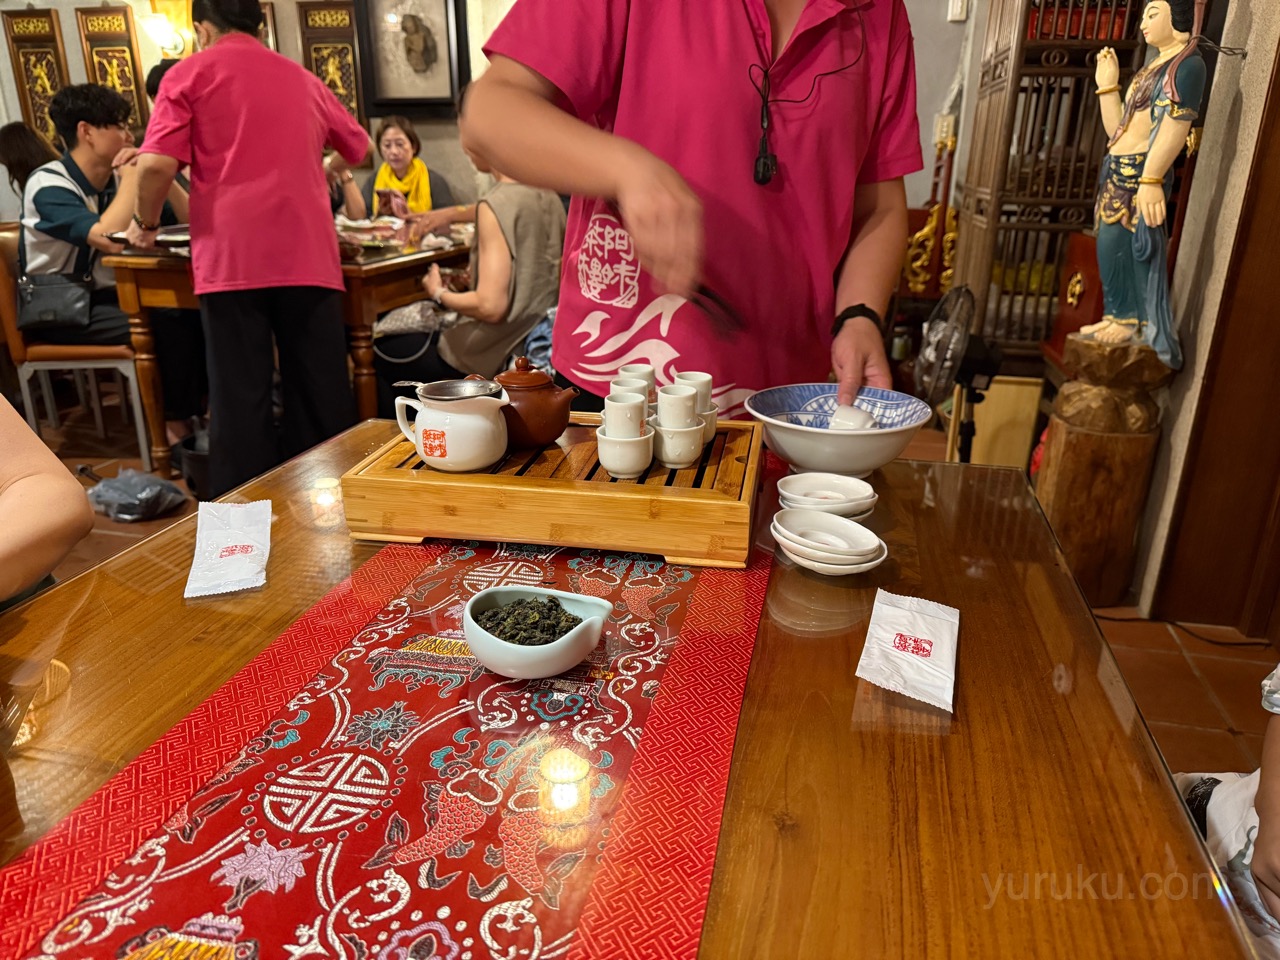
x: 402, y: 417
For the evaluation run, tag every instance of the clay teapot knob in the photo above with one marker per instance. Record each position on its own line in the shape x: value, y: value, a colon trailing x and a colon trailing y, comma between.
x: 523, y: 365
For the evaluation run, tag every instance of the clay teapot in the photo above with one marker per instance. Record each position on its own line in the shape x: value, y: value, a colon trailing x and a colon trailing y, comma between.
x: 538, y: 411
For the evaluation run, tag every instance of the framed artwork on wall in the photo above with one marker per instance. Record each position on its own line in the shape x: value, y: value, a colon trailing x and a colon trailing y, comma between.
x: 39, y: 64
x: 111, y: 58
x: 329, y: 50
x: 415, y: 54
x: 267, y: 32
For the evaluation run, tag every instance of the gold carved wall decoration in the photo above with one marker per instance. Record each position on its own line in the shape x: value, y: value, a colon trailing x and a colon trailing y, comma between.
x: 920, y: 252
x: 329, y: 49
x: 31, y: 26
x: 327, y: 18
x: 39, y: 64
x: 1075, y: 289
x: 109, y: 40
x: 108, y: 23
x: 950, y: 237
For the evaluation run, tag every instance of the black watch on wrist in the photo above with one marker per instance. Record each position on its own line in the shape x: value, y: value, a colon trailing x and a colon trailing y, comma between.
x: 857, y: 310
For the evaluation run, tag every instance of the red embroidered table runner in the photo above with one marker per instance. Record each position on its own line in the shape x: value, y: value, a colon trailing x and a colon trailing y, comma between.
x: 406, y: 802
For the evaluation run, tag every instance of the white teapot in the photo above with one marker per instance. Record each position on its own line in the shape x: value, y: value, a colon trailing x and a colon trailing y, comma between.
x: 459, y: 425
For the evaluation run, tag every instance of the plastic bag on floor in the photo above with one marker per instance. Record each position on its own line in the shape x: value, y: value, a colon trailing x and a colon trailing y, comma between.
x: 134, y: 495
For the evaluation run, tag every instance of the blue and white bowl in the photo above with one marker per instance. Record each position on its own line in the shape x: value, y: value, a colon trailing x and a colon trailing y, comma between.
x: 796, y: 419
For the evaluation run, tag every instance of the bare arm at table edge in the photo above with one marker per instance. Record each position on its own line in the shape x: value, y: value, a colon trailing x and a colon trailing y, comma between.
x: 869, y: 275
x: 511, y: 118
x: 43, y: 509
x: 1266, y: 851
x: 490, y: 300
x: 156, y: 173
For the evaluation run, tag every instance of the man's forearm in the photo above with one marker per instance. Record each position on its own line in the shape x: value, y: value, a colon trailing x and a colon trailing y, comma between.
x: 155, y: 176
x: 873, y: 262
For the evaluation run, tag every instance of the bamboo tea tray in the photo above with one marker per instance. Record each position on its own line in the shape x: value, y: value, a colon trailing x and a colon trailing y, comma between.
x: 560, y: 495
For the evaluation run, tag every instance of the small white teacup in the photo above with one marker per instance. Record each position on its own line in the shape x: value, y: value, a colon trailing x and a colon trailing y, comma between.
x: 700, y: 382
x: 710, y: 418
x: 677, y: 406
x: 625, y: 459
x: 640, y: 371
x: 677, y: 447
x: 630, y: 385
x: 625, y: 415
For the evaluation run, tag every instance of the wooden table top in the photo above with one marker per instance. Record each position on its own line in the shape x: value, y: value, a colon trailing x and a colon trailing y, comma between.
x: 1037, y: 821
x: 371, y: 265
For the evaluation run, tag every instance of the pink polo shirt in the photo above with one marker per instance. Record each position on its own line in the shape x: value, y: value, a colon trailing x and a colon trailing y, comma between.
x: 672, y: 75
x: 253, y: 126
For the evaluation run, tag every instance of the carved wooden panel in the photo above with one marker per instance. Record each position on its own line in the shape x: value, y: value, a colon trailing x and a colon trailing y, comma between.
x: 39, y: 63
x: 267, y: 32
x: 110, y: 44
x: 330, y: 51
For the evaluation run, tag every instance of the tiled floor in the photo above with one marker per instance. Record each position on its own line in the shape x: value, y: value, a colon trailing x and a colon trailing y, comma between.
x: 76, y: 443
x: 1200, y: 696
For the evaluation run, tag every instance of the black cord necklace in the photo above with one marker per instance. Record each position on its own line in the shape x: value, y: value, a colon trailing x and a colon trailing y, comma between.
x: 766, y: 163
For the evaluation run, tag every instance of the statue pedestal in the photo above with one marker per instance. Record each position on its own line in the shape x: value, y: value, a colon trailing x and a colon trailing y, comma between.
x: 1097, y: 461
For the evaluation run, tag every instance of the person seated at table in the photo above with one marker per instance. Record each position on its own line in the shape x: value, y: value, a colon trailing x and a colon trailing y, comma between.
x: 69, y: 208
x: 1238, y: 814
x: 44, y: 512
x: 515, y: 274
x: 22, y: 151
x: 344, y: 192
x: 428, y: 198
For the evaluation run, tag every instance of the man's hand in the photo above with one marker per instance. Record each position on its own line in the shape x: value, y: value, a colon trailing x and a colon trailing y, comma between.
x: 664, y: 218
x: 138, y: 238
x: 1150, y: 200
x: 858, y: 357
x: 126, y: 157
x: 433, y: 221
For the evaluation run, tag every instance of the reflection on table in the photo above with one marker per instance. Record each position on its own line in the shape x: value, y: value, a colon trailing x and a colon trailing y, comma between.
x: 856, y: 822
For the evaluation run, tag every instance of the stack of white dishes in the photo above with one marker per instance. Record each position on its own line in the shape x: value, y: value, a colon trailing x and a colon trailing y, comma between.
x: 826, y: 543
x: 827, y: 493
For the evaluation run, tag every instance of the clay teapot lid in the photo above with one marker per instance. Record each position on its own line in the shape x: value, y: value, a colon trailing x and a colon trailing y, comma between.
x: 524, y: 377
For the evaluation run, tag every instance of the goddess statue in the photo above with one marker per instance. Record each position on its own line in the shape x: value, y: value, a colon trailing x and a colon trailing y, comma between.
x: 1146, y: 130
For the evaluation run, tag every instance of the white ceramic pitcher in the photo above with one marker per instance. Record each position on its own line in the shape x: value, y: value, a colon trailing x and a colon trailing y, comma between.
x: 459, y: 424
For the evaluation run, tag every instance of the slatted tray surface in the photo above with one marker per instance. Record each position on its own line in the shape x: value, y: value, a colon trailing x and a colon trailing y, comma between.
x: 561, y: 495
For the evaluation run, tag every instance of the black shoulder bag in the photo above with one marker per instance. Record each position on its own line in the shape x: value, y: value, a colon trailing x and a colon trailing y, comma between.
x: 54, y: 301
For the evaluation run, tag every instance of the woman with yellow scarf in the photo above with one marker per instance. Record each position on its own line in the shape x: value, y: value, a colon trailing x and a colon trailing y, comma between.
x: 403, y: 172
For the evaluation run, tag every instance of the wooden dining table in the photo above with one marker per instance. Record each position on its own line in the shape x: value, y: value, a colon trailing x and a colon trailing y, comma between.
x: 1035, y: 820
x: 378, y: 282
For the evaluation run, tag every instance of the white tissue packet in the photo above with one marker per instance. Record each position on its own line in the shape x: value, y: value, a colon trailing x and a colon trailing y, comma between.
x: 911, y: 648
x: 233, y: 541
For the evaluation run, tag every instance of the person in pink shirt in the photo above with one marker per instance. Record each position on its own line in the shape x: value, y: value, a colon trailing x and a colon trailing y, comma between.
x: 752, y: 148
x: 252, y: 125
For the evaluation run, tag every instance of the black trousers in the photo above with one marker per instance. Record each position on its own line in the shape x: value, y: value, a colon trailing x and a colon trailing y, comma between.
x: 407, y: 356
x: 239, y: 326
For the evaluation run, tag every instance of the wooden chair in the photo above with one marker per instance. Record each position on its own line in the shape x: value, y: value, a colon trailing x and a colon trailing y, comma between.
x: 37, y: 359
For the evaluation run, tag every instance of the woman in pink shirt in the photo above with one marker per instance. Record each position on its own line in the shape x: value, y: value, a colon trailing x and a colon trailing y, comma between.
x: 264, y: 254
x: 755, y: 147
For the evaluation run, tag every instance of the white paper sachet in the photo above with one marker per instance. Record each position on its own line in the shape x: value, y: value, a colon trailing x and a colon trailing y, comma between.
x: 911, y: 648
x: 233, y: 541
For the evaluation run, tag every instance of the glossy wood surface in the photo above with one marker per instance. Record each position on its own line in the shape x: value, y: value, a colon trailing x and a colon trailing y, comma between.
x: 858, y: 823
x: 149, y: 281
x: 138, y: 657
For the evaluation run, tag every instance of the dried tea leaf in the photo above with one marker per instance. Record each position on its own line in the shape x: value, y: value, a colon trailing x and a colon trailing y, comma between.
x: 529, y: 623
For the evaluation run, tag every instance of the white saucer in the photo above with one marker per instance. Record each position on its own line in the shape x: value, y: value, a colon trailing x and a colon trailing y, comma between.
x: 830, y: 569
x: 852, y: 511
x: 812, y: 551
